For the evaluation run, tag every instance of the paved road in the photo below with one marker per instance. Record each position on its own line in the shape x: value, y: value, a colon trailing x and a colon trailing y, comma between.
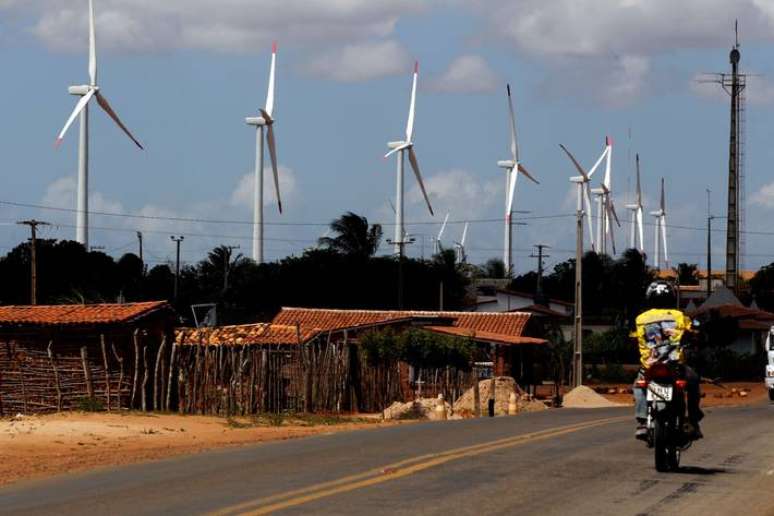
x: 556, y: 462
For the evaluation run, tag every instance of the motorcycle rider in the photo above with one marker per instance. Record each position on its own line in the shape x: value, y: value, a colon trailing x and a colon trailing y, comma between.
x: 663, y: 321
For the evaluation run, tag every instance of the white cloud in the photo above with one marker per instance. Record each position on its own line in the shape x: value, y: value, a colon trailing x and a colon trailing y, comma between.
x: 228, y: 25
x: 765, y: 196
x: 62, y: 194
x: 467, y: 74
x: 242, y: 196
x: 458, y: 192
x: 361, y: 62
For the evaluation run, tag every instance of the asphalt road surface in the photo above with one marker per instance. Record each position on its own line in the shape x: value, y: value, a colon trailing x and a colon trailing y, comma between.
x: 566, y: 461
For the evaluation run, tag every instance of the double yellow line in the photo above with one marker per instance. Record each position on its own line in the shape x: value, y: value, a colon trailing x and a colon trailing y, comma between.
x: 396, y: 470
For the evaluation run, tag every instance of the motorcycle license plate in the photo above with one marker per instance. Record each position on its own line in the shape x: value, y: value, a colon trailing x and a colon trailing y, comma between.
x: 658, y: 392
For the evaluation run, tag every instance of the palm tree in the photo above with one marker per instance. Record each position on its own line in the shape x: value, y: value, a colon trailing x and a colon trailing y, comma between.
x: 353, y: 236
x: 219, y: 264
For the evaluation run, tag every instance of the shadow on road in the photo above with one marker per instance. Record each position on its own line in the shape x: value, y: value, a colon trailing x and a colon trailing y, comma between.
x: 696, y: 470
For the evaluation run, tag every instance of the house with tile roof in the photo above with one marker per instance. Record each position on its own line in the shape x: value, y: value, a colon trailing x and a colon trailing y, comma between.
x: 60, y: 357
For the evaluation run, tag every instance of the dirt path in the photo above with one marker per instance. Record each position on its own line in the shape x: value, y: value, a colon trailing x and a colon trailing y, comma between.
x: 713, y: 396
x: 38, y: 446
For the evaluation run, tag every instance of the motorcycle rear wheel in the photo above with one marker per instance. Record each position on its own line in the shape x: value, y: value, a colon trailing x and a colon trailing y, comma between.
x: 663, y: 447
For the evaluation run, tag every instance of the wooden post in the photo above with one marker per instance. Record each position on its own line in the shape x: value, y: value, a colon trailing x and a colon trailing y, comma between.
x: 476, y: 394
x: 87, y: 371
x: 120, y: 361
x: 171, y: 376
x: 58, y: 386
x: 144, y: 390
x: 107, y: 370
x: 156, y: 405
x: 21, y: 379
x: 492, y: 382
x: 135, y: 339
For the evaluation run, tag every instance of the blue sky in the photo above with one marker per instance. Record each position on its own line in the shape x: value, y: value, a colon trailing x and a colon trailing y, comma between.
x: 183, y: 74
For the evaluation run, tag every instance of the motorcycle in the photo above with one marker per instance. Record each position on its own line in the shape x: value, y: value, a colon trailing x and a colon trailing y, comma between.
x: 665, y: 387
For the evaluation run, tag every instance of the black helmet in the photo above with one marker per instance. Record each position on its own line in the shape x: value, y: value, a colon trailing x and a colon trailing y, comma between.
x: 661, y: 294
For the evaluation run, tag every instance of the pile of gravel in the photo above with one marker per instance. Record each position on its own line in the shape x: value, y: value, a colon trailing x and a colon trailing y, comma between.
x: 585, y: 397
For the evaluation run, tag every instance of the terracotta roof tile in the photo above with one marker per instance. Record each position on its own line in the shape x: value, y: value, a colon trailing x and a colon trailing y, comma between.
x: 505, y: 323
x: 76, y: 315
x: 497, y: 338
x: 245, y: 334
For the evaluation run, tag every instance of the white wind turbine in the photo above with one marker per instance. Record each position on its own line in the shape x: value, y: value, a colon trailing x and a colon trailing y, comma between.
x: 460, y: 246
x: 605, y: 207
x: 661, y: 235
x: 438, y: 246
x: 261, y: 123
x: 584, y: 199
x: 512, y: 170
x: 402, y: 147
x: 636, y: 240
x: 87, y: 92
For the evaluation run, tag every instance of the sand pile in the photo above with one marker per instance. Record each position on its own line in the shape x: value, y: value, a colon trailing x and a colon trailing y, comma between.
x: 504, y: 387
x: 584, y: 397
x: 422, y: 408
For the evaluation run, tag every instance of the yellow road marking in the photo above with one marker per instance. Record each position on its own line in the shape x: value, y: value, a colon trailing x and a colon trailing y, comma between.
x: 396, y: 470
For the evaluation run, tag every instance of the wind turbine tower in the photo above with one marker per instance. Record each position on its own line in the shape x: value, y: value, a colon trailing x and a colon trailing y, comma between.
x: 264, y: 123
x: 86, y: 92
x: 438, y: 246
x: 636, y: 233
x: 660, y: 233
x: 401, y: 148
x: 512, y: 169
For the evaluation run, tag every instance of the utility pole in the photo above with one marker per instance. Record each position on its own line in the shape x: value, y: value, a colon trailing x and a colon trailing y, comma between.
x: 709, y: 244
x: 33, y: 224
x: 539, y: 296
x: 227, y: 265
x: 177, y: 241
x: 578, y: 345
x: 139, y: 241
x: 401, y: 246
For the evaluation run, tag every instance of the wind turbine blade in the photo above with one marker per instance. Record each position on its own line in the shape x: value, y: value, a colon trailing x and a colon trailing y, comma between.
x: 587, y: 202
x: 611, y: 234
x: 575, y: 162
x: 412, y: 105
x: 639, y: 188
x: 514, y: 141
x: 527, y: 174
x: 103, y: 103
x: 611, y: 211
x: 662, y: 223
x: 608, y: 162
x: 392, y: 206
x: 77, y: 111
x: 511, y: 191
x: 663, y: 196
x: 443, y: 227
x: 273, y: 155
x: 415, y: 167
x: 92, y: 46
x: 464, y: 236
x: 396, y: 149
x: 639, y: 226
x: 599, y: 161
x: 272, y: 71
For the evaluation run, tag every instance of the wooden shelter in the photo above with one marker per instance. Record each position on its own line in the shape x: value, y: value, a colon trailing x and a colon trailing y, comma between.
x: 101, y: 356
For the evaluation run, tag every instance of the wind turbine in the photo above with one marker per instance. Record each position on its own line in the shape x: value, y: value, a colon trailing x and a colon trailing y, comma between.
x: 262, y: 123
x: 460, y: 246
x: 636, y: 236
x: 661, y: 236
x: 582, y: 183
x: 87, y: 92
x: 438, y: 247
x: 605, y: 208
x: 512, y: 170
x: 401, y: 148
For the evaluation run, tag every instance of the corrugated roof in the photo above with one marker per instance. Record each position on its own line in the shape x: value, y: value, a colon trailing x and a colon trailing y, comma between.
x: 77, y: 315
x: 504, y: 323
x: 245, y: 334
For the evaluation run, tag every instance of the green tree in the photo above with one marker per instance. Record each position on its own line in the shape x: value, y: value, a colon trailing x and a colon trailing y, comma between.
x: 687, y: 273
x: 353, y: 236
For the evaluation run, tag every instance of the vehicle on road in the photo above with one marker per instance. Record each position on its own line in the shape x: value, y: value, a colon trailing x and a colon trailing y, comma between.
x: 770, y: 364
x: 669, y: 433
